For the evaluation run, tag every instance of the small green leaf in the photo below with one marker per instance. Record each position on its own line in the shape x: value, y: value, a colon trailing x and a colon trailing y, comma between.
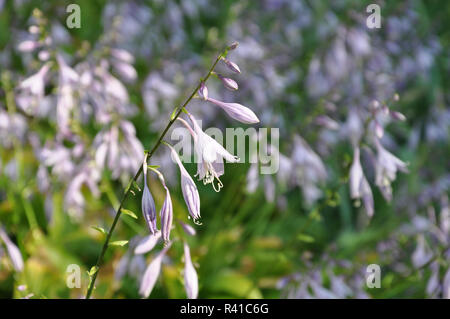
x: 174, y: 113
x: 92, y: 271
x: 119, y: 243
x: 153, y: 166
x: 129, y: 213
x: 100, y: 229
x: 305, y: 238
x: 136, y: 185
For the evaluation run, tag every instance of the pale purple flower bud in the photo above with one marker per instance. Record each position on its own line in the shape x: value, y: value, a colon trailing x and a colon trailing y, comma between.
x: 327, y: 122
x: 28, y: 46
x: 231, y: 65
x: 203, y: 91
x: 13, y: 251
x: 166, y: 212
x: 397, y: 116
x: 43, y: 55
x: 189, y: 189
x: 190, y: 275
x: 126, y: 70
x: 147, y: 243
x: 237, y: 111
x: 375, y: 104
x: 379, y: 131
x: 67, y: 74
x: 233, y: 45
x: 359, y: 187
x: 396, y: 97
x: 122, y: 55
x: 422, y: 254
x: 230, y: 84
x: 35, y: 83
x: 385, y: 109
x: 446, y: 285
x: 188, y: 229
x: 148, y: 205
x: 151, y: 274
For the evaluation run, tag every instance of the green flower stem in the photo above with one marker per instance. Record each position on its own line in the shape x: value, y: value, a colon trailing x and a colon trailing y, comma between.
x: 138, y: 173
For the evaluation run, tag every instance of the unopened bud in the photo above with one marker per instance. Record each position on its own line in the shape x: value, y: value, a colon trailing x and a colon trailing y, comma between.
x: 233, y: 45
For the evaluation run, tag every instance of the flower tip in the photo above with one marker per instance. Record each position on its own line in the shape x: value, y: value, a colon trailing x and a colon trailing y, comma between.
x: 233, y: 45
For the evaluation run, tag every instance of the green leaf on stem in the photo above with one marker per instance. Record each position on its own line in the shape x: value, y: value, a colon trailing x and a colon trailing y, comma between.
x: 99, y: 229
x: 119, y: 243
x: 129, y: 213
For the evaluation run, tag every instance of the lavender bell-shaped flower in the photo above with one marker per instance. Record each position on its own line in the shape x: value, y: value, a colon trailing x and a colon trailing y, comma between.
x: 190, y: 275
x: 151, y: 274
x: 189, y: 189
x: 359, y: 187
x: 13, y: 251
x: 148, y: 204
x: 237, y: 111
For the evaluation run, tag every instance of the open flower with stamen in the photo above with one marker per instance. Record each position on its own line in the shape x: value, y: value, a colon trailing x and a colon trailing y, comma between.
x: 148, y: 204
x: 188, y: 187
x: 190, y: 275
x: 237, y: 111
x: 210, y: 155
x: 359, y: 186
x: 386, y: 169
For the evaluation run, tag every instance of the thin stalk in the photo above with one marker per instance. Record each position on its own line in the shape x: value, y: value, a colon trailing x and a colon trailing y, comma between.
x: 138, y: 173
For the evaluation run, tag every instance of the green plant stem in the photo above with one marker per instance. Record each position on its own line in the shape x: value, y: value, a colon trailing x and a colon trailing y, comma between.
x: 138, y: 173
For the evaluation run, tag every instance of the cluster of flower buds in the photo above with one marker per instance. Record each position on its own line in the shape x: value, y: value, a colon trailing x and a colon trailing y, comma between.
x: 210, y: 155
x: 386, y: 164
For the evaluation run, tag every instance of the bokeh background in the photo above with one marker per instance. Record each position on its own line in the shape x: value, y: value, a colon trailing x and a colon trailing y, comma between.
x: 313, y: 69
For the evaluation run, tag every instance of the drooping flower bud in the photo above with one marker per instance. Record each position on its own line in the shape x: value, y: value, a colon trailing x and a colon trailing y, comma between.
x: 359, y: 186
x: 233, y: 45
x: 188, y: 229
x: 13, y: 251
x: 397, y: 116
x: 190, y: 275
x: 379, y: 130
x: 203, y: 91
x: 151, y: 274
x: 166, y: 212
x: 230, y: 84
x: 148, y: 204
x: 147, y: 243
x: 231, y: 65
x: 237, y: 111
x: 188, y: 187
